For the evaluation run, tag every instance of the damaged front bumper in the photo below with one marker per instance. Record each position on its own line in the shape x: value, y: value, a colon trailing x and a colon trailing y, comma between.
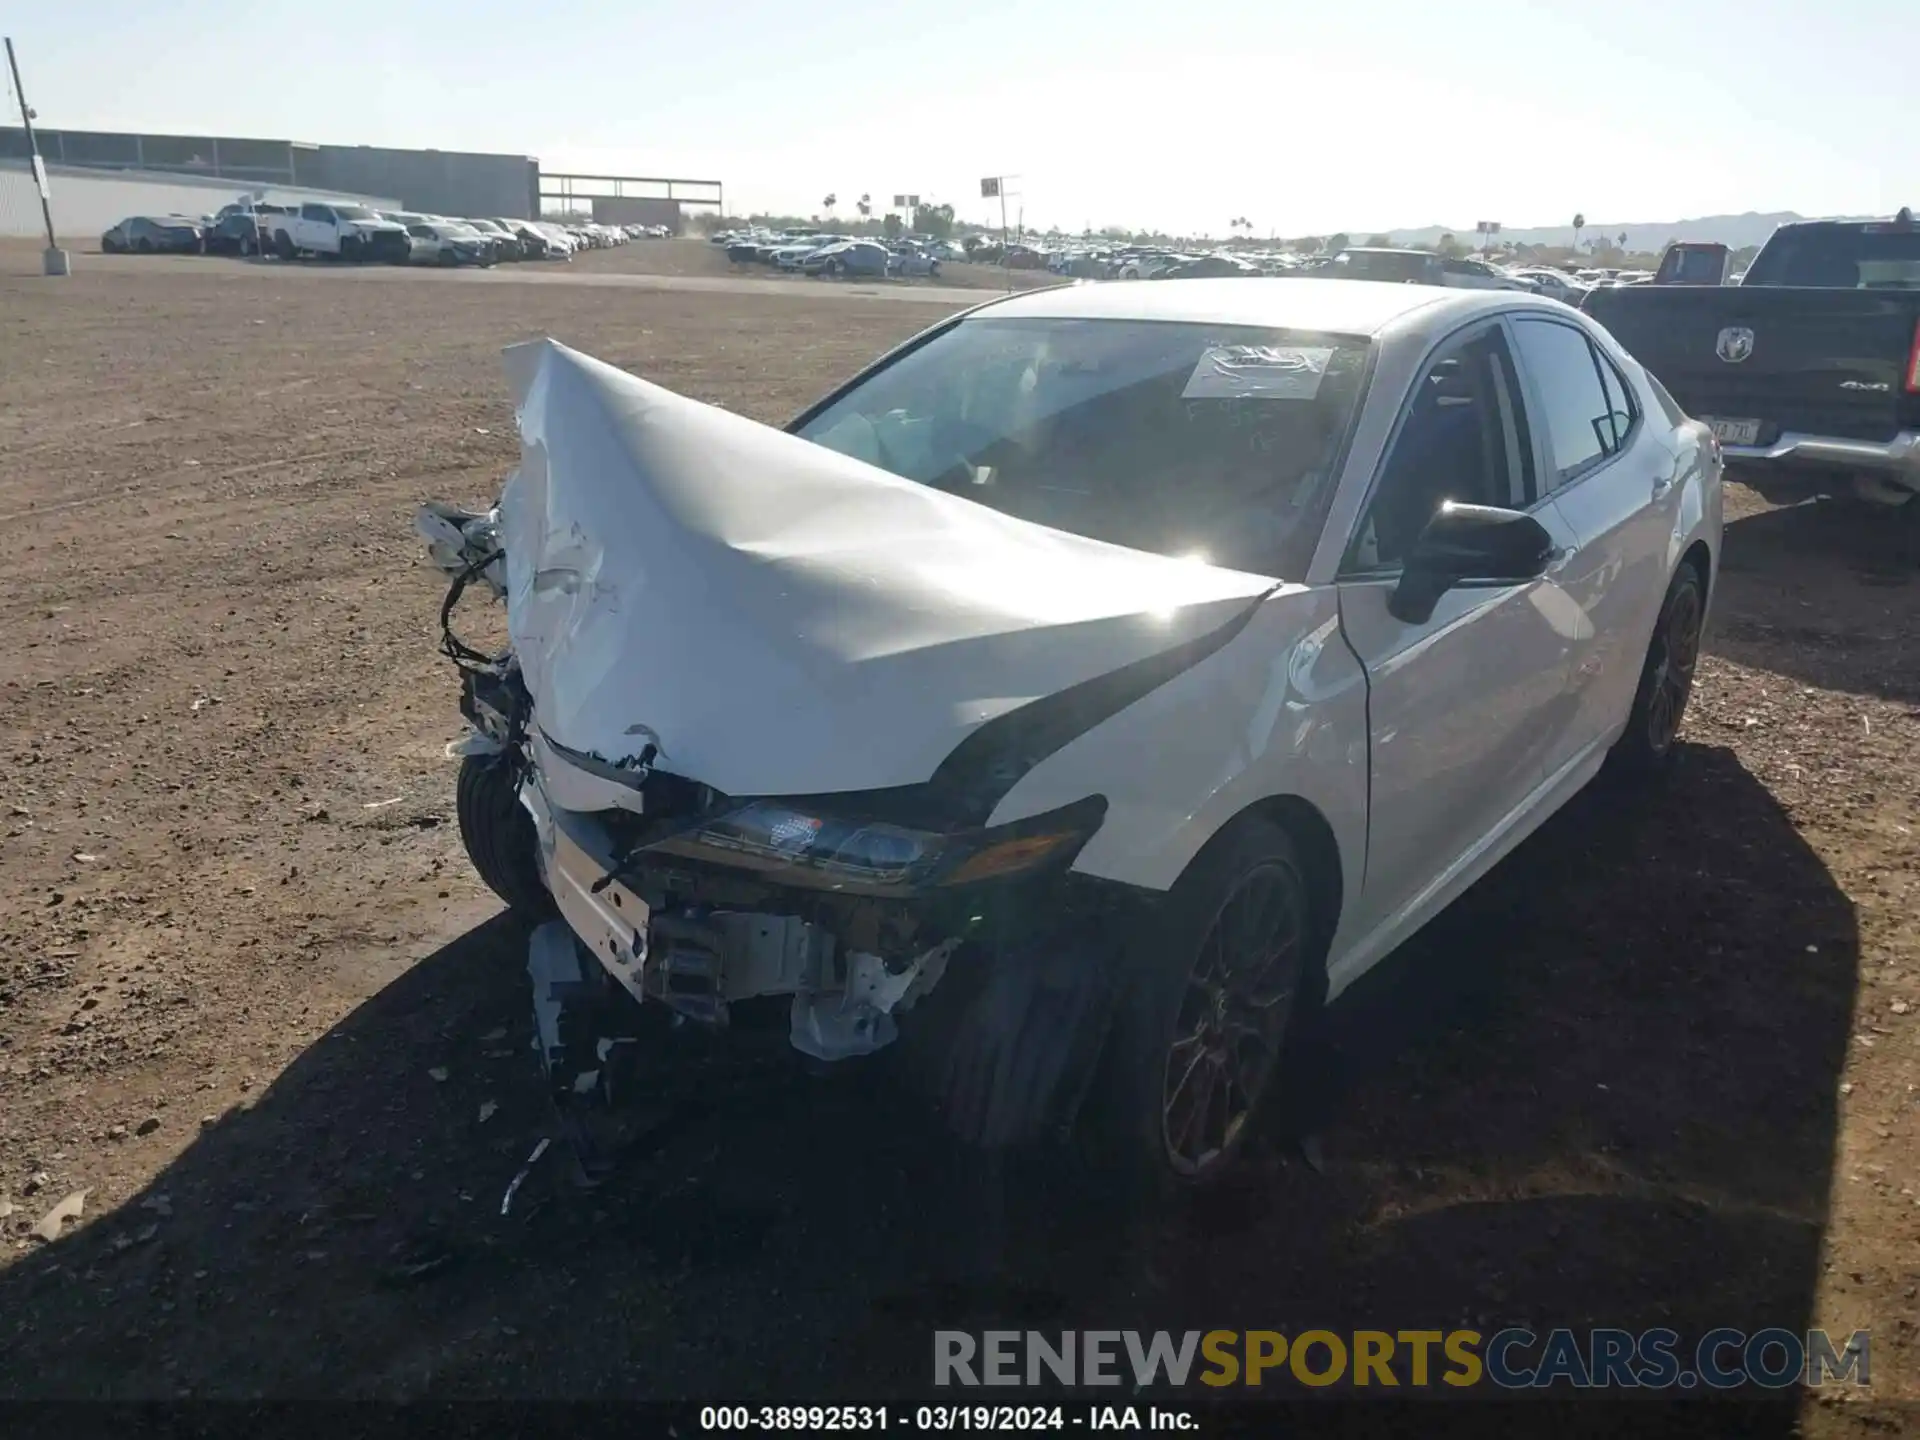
x: 735, y: 906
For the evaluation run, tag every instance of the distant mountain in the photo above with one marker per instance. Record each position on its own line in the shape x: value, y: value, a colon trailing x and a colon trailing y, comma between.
x: 1734, y: 231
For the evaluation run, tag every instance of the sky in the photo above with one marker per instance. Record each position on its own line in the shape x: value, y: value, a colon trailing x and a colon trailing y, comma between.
x: 1354, y: 115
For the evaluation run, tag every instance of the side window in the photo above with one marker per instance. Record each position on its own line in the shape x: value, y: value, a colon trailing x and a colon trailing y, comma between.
x: 1576, y: 413
x: 1462, y: 437
x: 1668, y: 405
x: 310, y: 211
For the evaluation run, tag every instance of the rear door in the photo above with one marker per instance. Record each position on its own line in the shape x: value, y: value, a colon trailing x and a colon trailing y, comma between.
x: 314, y: 228
x: 1464, y: 708
x: 1614, y: 484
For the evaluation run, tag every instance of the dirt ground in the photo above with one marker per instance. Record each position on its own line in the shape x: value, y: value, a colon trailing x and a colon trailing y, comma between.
x: 1660, y: 1068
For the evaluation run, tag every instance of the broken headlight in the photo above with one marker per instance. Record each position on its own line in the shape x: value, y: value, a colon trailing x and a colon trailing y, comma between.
x: 823, y: 851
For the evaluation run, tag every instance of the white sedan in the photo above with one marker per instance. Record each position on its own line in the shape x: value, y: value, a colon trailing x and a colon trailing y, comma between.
x: 1080, y: 697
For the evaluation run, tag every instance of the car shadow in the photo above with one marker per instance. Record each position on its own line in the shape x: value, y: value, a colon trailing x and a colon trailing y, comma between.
x: 1600, y: 1090
x: 1826, y: 592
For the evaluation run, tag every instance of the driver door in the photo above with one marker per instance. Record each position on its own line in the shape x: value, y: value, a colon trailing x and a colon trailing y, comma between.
x: 1463, y: 708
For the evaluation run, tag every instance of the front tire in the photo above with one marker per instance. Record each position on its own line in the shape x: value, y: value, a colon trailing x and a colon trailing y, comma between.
x: 1229, y: 975
x: 1648, y: 744
x: 283, y: 245
x: 499, y: 836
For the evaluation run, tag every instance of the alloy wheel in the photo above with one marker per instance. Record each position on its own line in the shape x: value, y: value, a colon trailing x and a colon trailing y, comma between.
x: 1673, y: 676
x: 1233, y: 1018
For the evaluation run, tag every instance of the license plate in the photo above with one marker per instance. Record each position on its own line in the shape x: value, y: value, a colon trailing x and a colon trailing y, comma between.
x: 1735, y: 432
x: 612, y: 923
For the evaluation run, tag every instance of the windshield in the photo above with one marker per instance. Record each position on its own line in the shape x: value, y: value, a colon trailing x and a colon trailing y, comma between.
x: 1182, y: 439
x: 354, y: 212
x: 1839, y: 257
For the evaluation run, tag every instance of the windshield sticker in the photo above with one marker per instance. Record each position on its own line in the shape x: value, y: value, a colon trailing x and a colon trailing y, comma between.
x: 1264, y: 372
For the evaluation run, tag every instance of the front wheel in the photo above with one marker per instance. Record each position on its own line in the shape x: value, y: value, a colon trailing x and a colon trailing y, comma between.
x: 283, y: 245
x: 498, y: 834
x: 1666, y: 679
x: 1221, y: 985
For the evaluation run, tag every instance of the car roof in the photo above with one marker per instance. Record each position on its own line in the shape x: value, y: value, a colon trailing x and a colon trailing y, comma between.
x: 1335, y: 307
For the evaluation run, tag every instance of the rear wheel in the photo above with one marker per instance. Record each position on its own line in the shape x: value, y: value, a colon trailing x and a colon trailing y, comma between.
x: 143, y: 245
x: 1666, y: 679
x: 498, y: 834
x: 283, y: 245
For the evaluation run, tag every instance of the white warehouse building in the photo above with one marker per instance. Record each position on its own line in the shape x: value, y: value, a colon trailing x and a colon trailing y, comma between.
x: 87, y: 202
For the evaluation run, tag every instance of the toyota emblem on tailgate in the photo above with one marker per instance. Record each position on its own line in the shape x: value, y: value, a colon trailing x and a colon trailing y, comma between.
x: 1734, y: 345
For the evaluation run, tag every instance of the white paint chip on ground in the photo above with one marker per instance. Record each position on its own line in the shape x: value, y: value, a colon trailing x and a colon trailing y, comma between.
x: 70, y: 1208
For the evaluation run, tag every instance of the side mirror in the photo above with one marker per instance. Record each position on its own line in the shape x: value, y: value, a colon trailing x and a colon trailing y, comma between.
x: 1477, y: 545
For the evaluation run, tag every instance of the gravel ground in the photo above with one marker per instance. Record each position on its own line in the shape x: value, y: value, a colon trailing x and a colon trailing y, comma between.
x: 1660, y: 1068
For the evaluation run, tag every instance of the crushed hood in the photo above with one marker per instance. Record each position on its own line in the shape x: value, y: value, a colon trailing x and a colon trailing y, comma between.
x: 777, y: 618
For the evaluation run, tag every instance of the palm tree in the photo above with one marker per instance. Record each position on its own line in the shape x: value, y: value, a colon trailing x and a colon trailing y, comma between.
x: 828, y: 204
x: 1579, y: 224
x: 864, y: 205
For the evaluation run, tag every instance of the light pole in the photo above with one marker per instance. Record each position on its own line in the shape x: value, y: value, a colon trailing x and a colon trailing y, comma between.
x: 55, y: 261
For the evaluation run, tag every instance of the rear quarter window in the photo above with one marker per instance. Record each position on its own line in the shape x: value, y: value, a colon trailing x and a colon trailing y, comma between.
x: 1668, y: 406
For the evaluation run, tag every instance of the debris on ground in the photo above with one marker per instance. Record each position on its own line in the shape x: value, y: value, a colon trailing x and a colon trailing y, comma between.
x: 438, y: 1073
x: 488, y: 1108
x: 513, y: 1186
x: 415, y: 1260
x: 50, y: 1224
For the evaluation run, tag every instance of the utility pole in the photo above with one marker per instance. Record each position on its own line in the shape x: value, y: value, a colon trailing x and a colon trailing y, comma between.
x: 54, y: 262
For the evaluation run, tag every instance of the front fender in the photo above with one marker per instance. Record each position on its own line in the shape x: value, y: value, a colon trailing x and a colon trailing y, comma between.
x: 1280, y: 710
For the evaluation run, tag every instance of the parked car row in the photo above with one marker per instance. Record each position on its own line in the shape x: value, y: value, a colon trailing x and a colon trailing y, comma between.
x: 814, y: 252
x: 341, y: 231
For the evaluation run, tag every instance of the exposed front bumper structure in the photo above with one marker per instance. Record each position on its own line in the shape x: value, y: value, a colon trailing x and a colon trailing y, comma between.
x: 699, y: 958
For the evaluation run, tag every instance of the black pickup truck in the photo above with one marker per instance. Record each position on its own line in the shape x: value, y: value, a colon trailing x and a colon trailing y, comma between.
x: 1808, y: 370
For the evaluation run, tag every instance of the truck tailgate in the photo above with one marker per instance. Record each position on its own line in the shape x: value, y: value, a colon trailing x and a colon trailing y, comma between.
x: 1823, y: 362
